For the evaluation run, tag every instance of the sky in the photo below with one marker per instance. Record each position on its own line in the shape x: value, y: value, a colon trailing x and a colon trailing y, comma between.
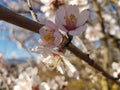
x: 7, y: 47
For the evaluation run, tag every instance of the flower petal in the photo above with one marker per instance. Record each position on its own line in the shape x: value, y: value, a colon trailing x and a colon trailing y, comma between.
x: 44, y: 86
x: 51, y: 25
x: 60, y: 25
x: 78, y: 30
x: 72, y: 9
x: 84, y: 15
x: 60, y: 14
x: 60, y: 67
x: 42, y: 31
x: 58, y: 38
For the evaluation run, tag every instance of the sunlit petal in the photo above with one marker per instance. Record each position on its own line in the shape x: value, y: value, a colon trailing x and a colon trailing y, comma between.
x: 60, y: 14
x: 78, y: 30
x: 51, y: 25
x: 72, y: 9
x: 84, y: 15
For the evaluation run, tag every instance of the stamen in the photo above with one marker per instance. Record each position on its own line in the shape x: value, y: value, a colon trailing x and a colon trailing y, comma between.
x: 72, y: 17
x: 70, y: 22
x: 49, y: 38
x: 54, y: 62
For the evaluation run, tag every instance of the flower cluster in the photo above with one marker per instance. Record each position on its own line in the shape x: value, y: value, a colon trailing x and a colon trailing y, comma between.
x: 54, y: 37
x: 29, y: 80
x: 26, y: 76
x: 68, y: 20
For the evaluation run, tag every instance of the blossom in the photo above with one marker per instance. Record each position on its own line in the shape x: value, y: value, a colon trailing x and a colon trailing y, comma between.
x: 94, y: 33
x: 52, y: 61
x: 28, y: 80
x: 70, y: 20
x: 55, y: 60
x: 44, y: 86
x: 50, y: 6
x: 50, y: 35
x: 61, y: 81
x: 70, y: 69
x: 116, y: 68
x: 23, y: 82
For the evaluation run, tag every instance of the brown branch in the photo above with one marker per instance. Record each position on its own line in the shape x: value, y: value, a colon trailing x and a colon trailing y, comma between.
x: 86, y: 58
x: 101, y: 20
x: 11, y: 17
x: 14, y: 18
x: 26, y: 11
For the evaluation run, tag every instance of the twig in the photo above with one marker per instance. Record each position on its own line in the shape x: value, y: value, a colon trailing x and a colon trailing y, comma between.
x: 32, y: 11
x: 99, y: 12
x: 21, y: 21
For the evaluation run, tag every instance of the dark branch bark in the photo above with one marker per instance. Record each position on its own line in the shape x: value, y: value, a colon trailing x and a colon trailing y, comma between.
x: 86, y: 58
x: 11, y: 17
x: 14, y: 18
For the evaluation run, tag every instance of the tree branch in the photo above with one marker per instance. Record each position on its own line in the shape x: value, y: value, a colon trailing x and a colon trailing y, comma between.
x: 14, y: 18
x: 86, y: 58
x: 11, y: 17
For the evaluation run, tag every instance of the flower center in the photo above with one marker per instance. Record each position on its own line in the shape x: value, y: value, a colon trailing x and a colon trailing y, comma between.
x: 54, y: 62
x: 70, y: 22
x: 49, y: 38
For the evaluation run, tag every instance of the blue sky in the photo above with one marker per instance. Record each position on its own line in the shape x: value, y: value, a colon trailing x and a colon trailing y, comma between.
x: 8, y: 47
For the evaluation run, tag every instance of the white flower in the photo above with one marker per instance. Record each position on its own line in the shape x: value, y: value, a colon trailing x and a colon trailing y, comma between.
x: 53, y: 60
x: 49, y: 35
x: 61, y: 81
x: 116, y: 68
x: 44, y: 86
x: 93, y: 33
x: 70, y: 20
x: 42, y: 50
x: 77, y: 2
x: 71, y: 70
x: 53, y: 84
x: 32, y: 71
x: 23, y: 82
x: 27, y: 80
x: 61, y: 68
x: 115, y: 65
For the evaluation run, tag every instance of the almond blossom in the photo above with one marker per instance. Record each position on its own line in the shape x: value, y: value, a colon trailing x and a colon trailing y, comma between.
x: 50, y: 6
x: 49, y: 57
x: 116, y: 68
x: 50, y: 35
x: 70, y: 20
x: 55, y: 60
x: 29, y: 80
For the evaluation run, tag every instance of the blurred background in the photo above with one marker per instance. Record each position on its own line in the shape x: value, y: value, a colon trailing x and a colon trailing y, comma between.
x: 101, y: 41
